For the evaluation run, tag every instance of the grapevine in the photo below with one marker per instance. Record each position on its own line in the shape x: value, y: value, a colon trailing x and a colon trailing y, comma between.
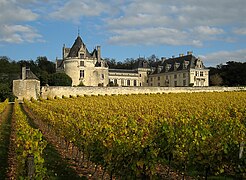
x: 29, y: 144
x: 129, y: 135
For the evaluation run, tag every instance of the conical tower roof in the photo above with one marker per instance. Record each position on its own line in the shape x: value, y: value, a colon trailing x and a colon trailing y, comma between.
x: 76, y: 47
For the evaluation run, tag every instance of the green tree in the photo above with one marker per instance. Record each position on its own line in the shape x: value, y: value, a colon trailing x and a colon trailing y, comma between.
x: 59, y: 79
x: 45, y: 65
x: 5, y: 92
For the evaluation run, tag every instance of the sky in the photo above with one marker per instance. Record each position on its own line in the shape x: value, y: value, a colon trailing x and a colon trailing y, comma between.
x: 214, y: 30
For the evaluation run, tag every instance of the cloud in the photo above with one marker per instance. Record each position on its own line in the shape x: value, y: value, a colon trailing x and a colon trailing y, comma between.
x: 240, y: 31
x: 206, y: 30
x: 11, y: 12
x: 152, y: 36
x: 19, y: 34
x: 75, y: 9
x: 221, y: 57
x: 12, y: 17
x: 200, y: 20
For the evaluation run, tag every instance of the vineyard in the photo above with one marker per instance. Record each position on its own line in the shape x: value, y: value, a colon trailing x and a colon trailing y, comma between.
x: 145, y: 136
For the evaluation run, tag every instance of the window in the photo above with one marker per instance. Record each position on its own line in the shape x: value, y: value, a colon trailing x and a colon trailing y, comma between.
x: 201, y: 73
x: 159, y: 84
x: 147, y: 81
x: 128, y: 82
x: 175, y: 76
x: 135, y: 82
x: 82, y: 63
x: 184, y: 75
x: 140, y: 84
x: 168, y: 66
x: 82, y: 73
x: 151, y: 79
x: 197, y: 73
x: 102, y: 76
x: 158, y: 78
x: 82, y: 55
x: 166, y: 77
x: 122, y: 82
x: 175, y: 83
x: 140, y: 75
x: 184, y: 82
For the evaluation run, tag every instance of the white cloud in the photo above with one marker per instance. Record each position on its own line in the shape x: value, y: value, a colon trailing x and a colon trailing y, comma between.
x: 12, y: 17
x: 240, y: 31
x: 206, y: 30
x: 18, y: 34
x: 200, y: 20
x: 11, y: 12
x: 152, y: 36
x: 75, y: 9
x: 221, y: 57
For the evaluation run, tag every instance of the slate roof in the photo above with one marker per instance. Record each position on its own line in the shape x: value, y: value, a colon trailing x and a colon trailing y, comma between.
x: 30, y: 74
x: 59, y: 62
x: 76, y: 47
x: 141, y: 63
x: 175, y: 64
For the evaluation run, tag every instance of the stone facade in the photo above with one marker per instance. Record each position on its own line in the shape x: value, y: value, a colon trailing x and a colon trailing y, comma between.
x: 83, y: 67
x: 130, y: 77
x: 180, y: 71
x: 90, y: 69
x: 60, y: 91
x: 27, y: 87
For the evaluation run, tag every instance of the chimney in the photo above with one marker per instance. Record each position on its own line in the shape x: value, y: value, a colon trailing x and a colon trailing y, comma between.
x: 99, y: 53
x: 23, y: 73
x: 163, y: 59
x: 189, y: 52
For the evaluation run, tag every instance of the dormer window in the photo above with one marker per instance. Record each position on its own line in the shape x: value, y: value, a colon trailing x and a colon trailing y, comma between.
x: 199, y: 64
x: 185, y: 64
x: 168, y: 66
x: 159, y: 69
x: 176, y: 66
x: 81, y: 55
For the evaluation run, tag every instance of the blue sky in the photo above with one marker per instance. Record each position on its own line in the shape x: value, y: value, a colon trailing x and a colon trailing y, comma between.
x: 214, y: 30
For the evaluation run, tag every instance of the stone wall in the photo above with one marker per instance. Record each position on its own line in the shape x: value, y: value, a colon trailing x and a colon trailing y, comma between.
x: 26, y: 88
x: 51, y: 91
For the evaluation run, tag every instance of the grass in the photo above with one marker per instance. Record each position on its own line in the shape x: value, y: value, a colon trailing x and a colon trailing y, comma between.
x: 5, y: 131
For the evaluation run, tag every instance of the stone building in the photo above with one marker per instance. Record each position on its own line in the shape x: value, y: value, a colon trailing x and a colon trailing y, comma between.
x: 83, y: 67
x: 28, y: 86
x: 185, y: 70
x: 90, y: 69
x: 130, y: 77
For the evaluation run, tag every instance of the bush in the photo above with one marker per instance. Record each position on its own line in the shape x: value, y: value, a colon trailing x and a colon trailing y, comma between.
x: 60, y: 79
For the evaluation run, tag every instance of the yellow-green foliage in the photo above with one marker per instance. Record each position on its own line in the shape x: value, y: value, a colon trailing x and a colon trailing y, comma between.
x: 29, y: 142
x: 131, y: 134
x: 3, y: 105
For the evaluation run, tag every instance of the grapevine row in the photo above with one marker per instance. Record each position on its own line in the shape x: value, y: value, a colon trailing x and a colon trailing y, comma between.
x: 3, y: 105
x: 29, y: 146
x: 131, y: 134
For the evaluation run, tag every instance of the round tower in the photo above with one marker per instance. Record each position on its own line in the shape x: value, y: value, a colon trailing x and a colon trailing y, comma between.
x: 71, y: 67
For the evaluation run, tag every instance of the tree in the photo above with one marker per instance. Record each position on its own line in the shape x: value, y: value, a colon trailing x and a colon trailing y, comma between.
x: 216, y: 80
x: 5, y: 92
x: 59, y: 79
x: 45, y: 65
